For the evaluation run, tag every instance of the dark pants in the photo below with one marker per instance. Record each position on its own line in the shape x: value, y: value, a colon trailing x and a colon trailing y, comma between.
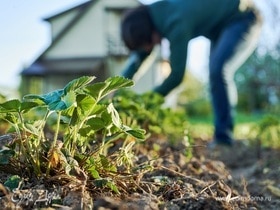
x: 228, y: 52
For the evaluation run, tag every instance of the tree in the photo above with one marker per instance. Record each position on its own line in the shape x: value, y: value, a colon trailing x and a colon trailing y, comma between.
x: 258, y: 82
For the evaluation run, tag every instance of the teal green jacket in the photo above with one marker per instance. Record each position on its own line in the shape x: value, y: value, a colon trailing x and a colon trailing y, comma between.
x: 179, y: 21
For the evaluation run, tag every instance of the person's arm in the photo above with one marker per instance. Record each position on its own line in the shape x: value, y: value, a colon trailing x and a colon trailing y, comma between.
x: 178, y: 57
x: 134, y: 62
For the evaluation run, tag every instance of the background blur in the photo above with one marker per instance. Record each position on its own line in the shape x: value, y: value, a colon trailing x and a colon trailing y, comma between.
x: 24, y: 35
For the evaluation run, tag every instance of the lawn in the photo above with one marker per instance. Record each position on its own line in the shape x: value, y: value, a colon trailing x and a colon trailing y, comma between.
x: 246, y: 127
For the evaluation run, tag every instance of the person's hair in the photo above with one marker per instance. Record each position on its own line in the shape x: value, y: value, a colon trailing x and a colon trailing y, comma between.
x: 137, y: 28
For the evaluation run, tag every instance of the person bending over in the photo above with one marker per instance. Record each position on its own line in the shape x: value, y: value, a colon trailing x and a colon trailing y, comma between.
x: 233, y: 28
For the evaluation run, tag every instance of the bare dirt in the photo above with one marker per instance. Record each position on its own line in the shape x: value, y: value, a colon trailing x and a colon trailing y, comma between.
x: 246, y: 176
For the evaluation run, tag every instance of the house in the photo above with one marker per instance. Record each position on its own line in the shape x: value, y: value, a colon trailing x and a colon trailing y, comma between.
x: 85, y: 40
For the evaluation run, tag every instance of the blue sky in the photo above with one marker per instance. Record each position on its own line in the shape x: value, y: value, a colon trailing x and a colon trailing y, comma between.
x: 24, y: 35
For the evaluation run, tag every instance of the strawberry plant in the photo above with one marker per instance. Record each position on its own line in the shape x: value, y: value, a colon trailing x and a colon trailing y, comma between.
x: 84, y: 128
x: 149, y: 112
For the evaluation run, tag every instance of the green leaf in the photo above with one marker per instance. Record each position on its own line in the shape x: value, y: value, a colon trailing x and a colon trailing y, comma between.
x: 100, y: 183
x: 101, y: 89
x: 6, y: 155
x: 106, y: 183
x: 53, y: 96
x: 69, y: 99
x: 74, y: 118
x: 106, y: 117
x: 78, y: 83
x: 113, y: 186
x: 115, y: 115
x: 104, y: 161
x: 57, y: 106
x: 27, y: 105
x: 93, y: 172
x: 137, y: 133
x: 33, y: 98
x: 16, y: 105
x: 10, y: 117
x: 106, y: 164
x: 10, y: 106
x: 86, y: 131
x: 118, y: 82
x: 95, y: 90
x: 13, y: 182
x: 85, y: 104
x: 58, y: 101
x: 68, y: 112
x: 96, y: 123
x: 38, y: 100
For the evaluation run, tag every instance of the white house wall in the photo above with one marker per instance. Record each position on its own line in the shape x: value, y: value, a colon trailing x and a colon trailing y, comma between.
x: 59, y: 23
x: 88, y: 37
x: 120, y: 3
x: 85, y: 39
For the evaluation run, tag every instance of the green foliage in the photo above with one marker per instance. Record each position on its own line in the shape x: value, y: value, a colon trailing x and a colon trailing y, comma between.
x: 5, y: 155
x: 87, y: 128
x: 198, y: 107
x: 193, y: 89
x: 267, y: 131
x: 13, y: 182
x: 81, y: 131
x: 263, y: 127
x: 258, y: 83
x: 194, y: 97
x: 149, y: 113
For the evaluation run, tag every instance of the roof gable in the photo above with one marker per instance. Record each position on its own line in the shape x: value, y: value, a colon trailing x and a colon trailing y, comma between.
x: 72, y: 16
x: 67, y: 11
x: 81, y: 32
x: 61, y: 22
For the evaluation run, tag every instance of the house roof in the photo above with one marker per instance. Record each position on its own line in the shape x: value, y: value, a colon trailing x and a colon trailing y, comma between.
x: 64, y: 66
x: 80, y: 7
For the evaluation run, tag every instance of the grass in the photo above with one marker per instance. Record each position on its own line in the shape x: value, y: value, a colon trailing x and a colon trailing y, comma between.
x: 240, y: 118
x: 247, y: 126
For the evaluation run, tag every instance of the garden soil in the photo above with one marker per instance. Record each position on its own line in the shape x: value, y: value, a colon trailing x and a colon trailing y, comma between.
x: 246, y: 176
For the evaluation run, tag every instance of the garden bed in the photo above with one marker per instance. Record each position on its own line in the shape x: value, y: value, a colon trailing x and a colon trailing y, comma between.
x: 72, y: 149
x: 209, y: 180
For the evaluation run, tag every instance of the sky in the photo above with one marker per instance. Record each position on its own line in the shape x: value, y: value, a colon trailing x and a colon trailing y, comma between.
x: 24, y: 36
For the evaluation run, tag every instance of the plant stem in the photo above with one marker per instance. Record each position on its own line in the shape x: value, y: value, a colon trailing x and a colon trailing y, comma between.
x: 54, y: 142
x: 57, y: 130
